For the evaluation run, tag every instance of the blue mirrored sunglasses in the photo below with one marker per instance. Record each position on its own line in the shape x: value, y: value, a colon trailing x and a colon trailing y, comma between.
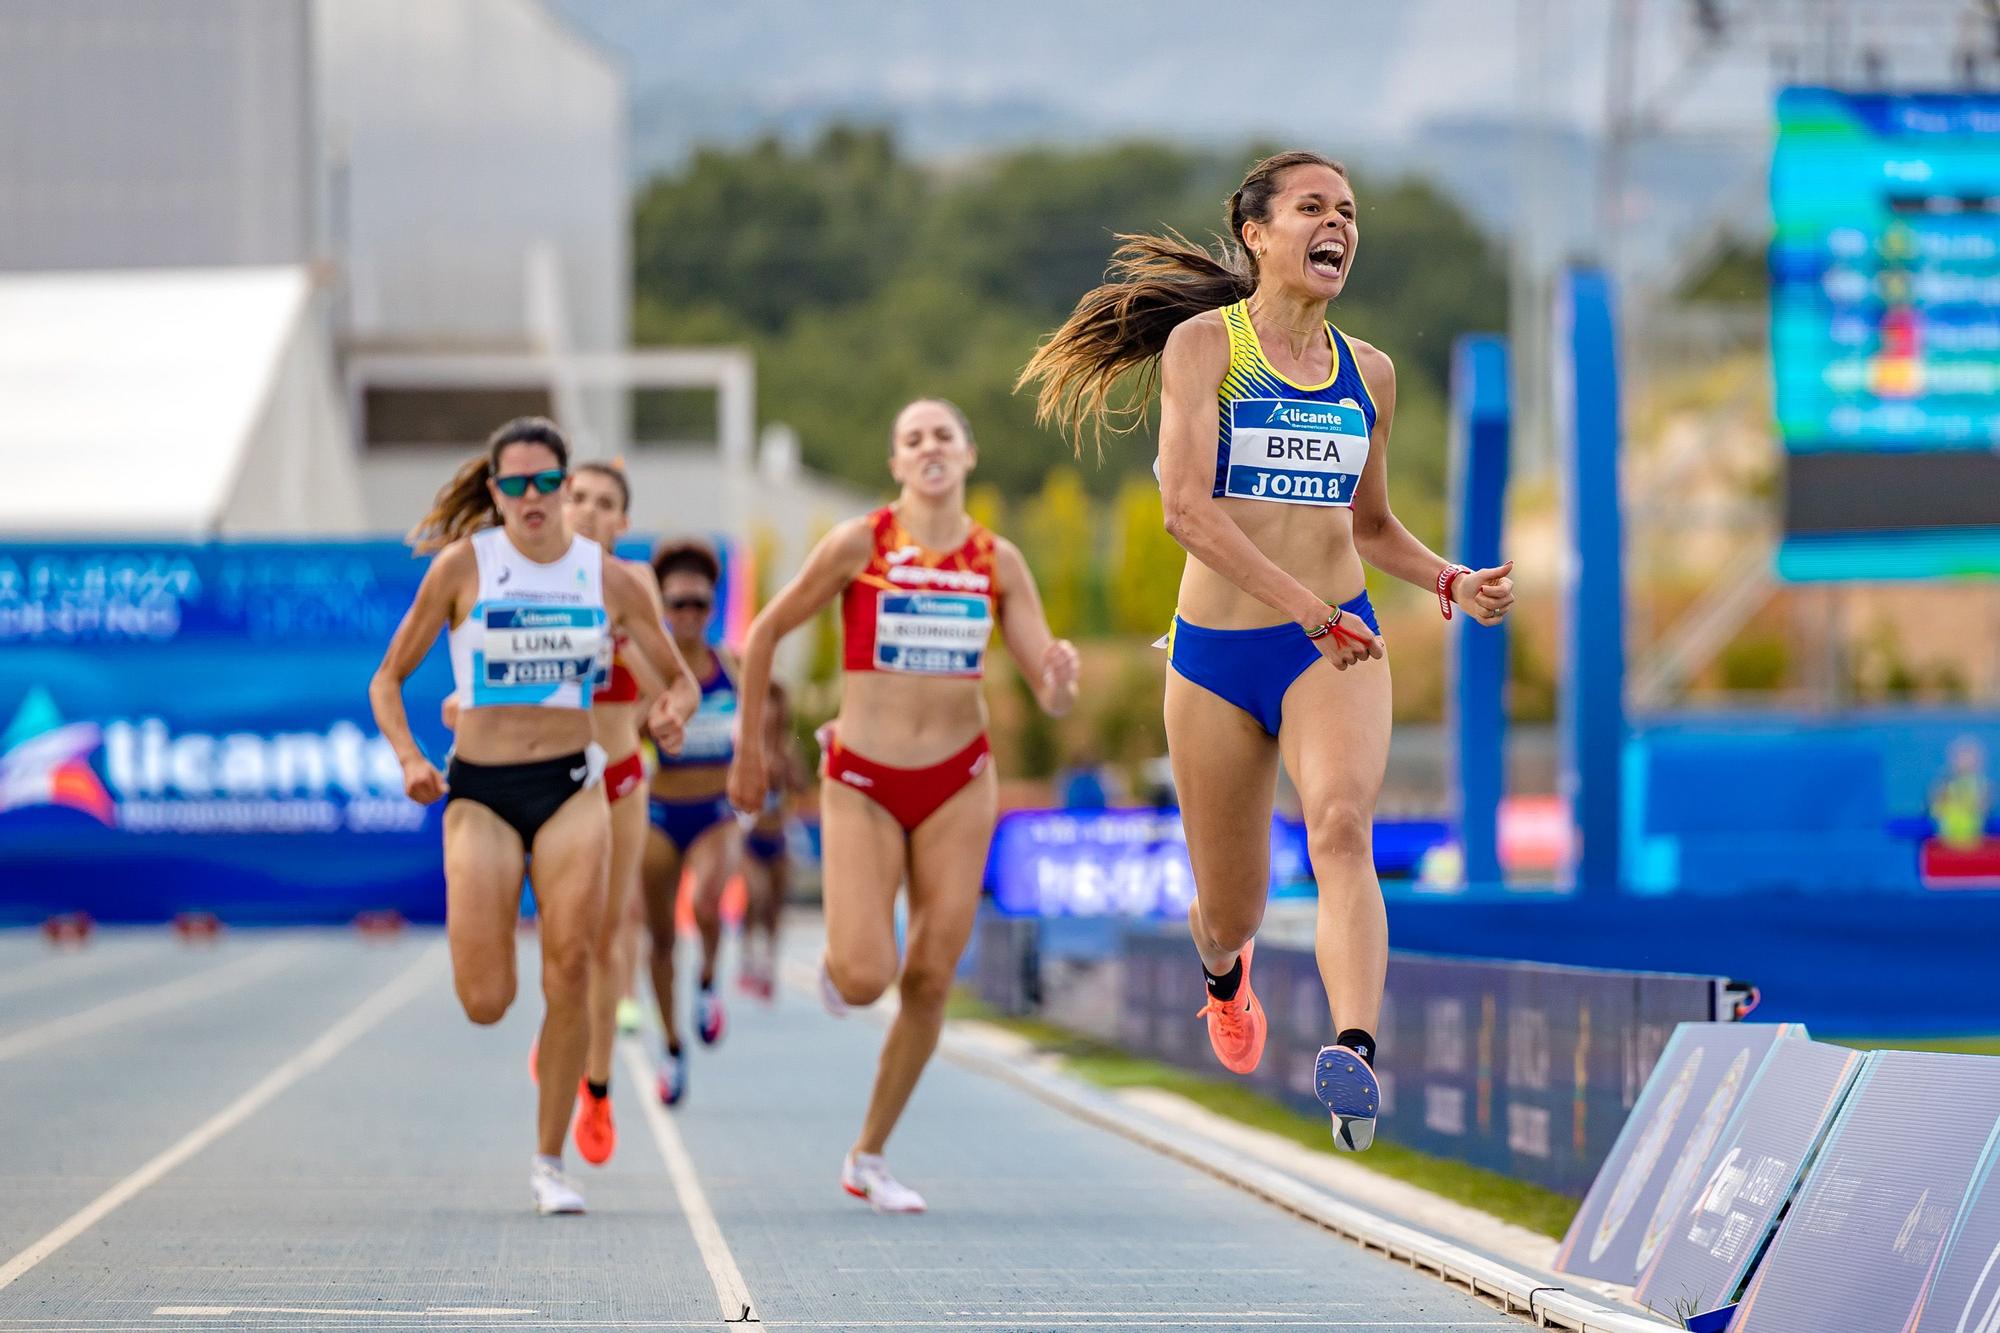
x: 546, y: 482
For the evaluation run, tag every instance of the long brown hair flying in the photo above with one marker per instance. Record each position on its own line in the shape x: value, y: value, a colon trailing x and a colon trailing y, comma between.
x: 1121, y: 326
x: 463, y: 505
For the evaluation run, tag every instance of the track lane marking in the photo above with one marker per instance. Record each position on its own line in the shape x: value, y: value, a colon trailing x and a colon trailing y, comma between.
x: 731, y: 1291
x: 152, y: 1000
x: 399, y: 991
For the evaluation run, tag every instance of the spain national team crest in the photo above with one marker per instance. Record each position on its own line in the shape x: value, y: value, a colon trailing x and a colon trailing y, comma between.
x: 46, y: 761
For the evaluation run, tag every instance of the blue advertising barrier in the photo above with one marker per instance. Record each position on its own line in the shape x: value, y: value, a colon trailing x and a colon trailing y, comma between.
x: 186, y: 727
x: 1524, y: 1069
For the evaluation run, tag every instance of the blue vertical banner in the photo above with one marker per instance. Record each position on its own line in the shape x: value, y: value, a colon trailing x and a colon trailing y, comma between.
x: 1591, y: 709
x: 1476, y: 659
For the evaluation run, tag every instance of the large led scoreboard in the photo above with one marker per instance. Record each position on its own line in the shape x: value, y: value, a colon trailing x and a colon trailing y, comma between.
x: 1885, y: 332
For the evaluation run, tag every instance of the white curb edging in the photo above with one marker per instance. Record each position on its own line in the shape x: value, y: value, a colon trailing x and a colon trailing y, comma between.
x: 1514, y: 1291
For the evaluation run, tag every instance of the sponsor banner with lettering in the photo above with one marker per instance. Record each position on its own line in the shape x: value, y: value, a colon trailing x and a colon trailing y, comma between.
x: 1652, y: 1169
x: 186, y: 726
x: 1894, y: 1227
x: 1109, y: 862
x: 1719, y: 1230
x: 1525, y: 1069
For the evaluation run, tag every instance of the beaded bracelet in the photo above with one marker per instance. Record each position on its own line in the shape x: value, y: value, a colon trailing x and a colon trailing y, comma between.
x: 1446, y: 577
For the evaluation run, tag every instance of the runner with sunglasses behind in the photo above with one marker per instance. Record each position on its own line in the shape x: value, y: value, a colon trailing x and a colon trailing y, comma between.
x: 694, y: 831
x: 528, y: 605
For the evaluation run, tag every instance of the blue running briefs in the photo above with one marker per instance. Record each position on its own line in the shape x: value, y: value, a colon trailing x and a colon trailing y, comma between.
x: 1252, y: 668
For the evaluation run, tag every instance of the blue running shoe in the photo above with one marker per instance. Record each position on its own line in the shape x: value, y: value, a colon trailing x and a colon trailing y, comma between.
x: 708, y: 1017
x: 1348, y: 1090
x: 674, y: 1078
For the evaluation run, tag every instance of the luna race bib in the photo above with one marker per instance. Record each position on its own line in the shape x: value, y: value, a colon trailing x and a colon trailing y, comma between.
x: 1295, y: 451
x: 932, y: 633
x: 526, y: 646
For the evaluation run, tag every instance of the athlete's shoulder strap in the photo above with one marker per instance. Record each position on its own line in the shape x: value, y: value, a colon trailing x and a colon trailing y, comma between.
x: 1242, y: 338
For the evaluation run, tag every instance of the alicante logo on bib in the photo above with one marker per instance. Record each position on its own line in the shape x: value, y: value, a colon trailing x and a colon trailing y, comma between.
x: 1295, y: 451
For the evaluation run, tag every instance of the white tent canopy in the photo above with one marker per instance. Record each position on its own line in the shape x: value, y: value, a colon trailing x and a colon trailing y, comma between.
x: 176, y: 402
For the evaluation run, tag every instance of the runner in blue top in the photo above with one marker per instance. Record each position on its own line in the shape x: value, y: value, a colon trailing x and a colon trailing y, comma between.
x: 1273, y: 464
x: 694, y: 830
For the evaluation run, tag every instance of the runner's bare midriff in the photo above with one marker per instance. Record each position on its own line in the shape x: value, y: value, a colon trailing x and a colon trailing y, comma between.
x: 1312, y: 543
x: 907, y: 721
x: 518, y: 734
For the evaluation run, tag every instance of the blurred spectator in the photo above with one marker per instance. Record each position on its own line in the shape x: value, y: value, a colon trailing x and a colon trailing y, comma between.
x: 1962, y: 796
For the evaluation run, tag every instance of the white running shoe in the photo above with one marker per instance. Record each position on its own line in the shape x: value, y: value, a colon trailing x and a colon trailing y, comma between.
x: 866, y: 1176
x: 552, y: 1190
x: 830, y: 997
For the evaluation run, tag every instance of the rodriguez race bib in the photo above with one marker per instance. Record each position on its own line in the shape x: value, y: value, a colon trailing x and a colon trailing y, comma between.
x: 939, y: 634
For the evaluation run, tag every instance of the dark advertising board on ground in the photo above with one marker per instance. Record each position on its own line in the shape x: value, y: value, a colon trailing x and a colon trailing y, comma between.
x: 1524, y: 1069
x: 1715, y: 1236
x: 1631, y: 1208
x: 1888, y: 1225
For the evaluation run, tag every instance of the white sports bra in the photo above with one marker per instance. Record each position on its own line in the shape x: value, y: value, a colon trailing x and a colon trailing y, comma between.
x: 537, y: 636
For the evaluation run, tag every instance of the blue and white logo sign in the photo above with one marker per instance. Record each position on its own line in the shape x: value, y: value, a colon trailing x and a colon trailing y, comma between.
x: 1295, y: 451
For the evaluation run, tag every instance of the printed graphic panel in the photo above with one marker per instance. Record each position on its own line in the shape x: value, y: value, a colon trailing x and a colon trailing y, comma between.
x: 1865, y: 1236
x: 1714, y: 1236
x: 1964, y: 1295
x: 1701, y: 1076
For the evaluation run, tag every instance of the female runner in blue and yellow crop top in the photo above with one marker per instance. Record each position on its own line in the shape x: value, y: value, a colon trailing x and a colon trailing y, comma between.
x: 1274, y: 433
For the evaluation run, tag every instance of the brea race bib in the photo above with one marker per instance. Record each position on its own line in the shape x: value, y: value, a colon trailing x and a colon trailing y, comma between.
x: 1295, y: 451
x: 932, y: 633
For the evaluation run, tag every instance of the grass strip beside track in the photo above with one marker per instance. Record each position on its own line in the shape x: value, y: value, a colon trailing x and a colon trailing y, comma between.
x: 1107, y: 1066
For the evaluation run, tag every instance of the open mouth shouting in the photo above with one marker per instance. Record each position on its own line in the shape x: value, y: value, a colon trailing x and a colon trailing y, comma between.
x: 1327, y: 258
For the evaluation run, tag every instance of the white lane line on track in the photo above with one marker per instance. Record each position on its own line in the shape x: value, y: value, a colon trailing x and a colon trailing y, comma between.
x: 145, y: 1003
x: 730, y: 1289
x: 58, y: 968
x: 378, y: 1006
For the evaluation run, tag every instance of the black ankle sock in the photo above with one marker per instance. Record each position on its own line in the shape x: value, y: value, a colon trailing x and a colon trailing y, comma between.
x: 599, y: 1090
x: 1361, y: 1043
x: 1225, y: 986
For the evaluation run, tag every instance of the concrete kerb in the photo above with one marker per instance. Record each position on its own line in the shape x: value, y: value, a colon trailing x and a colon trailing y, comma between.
x: 1514, y: 1291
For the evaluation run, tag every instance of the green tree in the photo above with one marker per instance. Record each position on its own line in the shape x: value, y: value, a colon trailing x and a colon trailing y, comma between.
x: 1145, y: 564
x: 862, y: 280
x: 1061, y: 549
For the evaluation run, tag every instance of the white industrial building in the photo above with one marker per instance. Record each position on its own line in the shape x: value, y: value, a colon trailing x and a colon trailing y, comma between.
x: 315, y: 249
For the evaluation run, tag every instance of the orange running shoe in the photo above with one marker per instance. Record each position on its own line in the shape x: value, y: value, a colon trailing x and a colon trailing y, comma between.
x: 596, y: 1136
x: 1237, y: 1027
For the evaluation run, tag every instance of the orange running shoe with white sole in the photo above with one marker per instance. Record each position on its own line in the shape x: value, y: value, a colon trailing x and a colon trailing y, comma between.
x: 1237, y: 1027
x: 596, y: 1136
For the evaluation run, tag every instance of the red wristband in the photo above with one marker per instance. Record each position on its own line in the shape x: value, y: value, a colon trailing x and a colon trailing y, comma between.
x: 1446, y: 577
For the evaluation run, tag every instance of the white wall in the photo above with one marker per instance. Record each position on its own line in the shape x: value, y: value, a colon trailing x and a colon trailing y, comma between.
x: 460, y: 135
x: 164, y: 134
